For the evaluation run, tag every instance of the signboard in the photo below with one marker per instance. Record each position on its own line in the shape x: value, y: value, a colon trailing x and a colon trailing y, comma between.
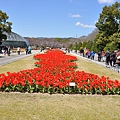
x: 72, y: 84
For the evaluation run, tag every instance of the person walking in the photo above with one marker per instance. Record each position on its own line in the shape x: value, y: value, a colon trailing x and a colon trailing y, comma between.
x: 5, y: 50
x: 99, y: 56
x: 103, y: 56
x: 118, y: 61
x: 107, y: 55
x: 92, y: 55
x: 88, y: 54
x: 29, y: 50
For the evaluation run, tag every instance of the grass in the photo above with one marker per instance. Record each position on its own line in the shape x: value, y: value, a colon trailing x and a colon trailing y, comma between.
x: 86, y: 65
x: 16, y: 66
x: 18, y: 106
x: 37, y: 106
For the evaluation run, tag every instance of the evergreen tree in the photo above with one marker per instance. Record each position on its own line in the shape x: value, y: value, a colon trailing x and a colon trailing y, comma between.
x: 5, y: 26
x: 108, y: 25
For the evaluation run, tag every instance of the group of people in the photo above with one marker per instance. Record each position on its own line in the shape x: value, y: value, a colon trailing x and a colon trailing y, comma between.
x: 87, y: 53
x: 111, y: 58
x: 28, y: 50
x: 6, y: 50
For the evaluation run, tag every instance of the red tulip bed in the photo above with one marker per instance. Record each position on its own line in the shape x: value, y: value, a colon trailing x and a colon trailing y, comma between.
x: 56, y: 73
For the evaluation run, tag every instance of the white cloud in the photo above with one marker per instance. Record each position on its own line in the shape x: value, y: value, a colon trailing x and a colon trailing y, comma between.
x: 84, y: 25
x: 74, y: 15
x: 106, y: 1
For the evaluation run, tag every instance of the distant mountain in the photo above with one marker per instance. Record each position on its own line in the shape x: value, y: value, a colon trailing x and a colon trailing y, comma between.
x: 41, y: 41
x: 90, y: 36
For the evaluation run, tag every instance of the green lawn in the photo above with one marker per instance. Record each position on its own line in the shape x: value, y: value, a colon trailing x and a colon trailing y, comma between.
x: 86, y: 65
x: 24, y: 106
x: 25, y: 63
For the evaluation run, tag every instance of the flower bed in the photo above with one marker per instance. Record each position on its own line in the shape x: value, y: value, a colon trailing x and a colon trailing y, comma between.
x: 54, y: 74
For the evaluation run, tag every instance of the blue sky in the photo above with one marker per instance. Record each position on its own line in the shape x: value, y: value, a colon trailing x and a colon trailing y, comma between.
x: 53, y: 18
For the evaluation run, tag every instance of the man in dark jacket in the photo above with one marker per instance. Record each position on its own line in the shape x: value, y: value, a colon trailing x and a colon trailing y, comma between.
x: 107, y: 54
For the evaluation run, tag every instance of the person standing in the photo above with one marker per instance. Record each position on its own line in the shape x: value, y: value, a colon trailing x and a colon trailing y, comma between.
x: 8, y: 50
x: 41, y: 49
x: 18, y: 50
x: 26, y: 49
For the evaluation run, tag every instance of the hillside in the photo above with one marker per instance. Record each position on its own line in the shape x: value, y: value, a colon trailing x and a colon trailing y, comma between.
x: 62, y: 42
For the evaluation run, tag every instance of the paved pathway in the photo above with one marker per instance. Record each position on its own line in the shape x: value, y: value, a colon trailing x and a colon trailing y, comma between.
x: 5, y: 59
x: 95, y: 59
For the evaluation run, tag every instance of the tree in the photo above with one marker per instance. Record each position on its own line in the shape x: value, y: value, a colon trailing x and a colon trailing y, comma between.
x: 89, y: 44
x: 78, y: 45
x: 84, y: 44
x: 5, y: 26
x: 108, y: 24
x: 115, y: 39
x: 112, y: 46
x: 71, y: 46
